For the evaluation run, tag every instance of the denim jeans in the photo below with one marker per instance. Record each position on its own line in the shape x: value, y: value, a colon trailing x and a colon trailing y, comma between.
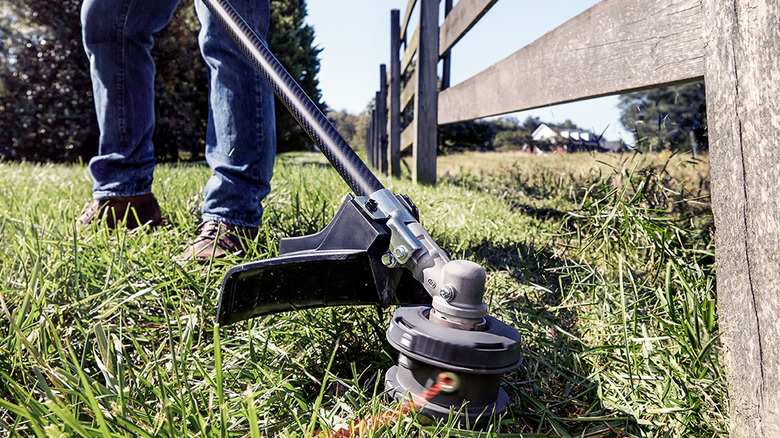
x: 240, y: 134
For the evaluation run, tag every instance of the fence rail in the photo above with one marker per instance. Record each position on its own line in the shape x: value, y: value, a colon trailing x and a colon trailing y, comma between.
x: 615, y: 47
x: 618, y: 46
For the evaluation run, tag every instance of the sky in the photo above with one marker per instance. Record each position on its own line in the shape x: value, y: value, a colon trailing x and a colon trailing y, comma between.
x: 354, y: 36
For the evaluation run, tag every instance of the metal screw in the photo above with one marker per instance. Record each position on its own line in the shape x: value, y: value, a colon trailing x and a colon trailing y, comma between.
x: 387, y: 259
x: 401, y: 252
x: 447, y: 292
x: 371, y: 205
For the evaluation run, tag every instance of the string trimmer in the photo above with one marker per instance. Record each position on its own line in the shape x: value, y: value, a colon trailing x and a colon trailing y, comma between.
x: 375, y: 251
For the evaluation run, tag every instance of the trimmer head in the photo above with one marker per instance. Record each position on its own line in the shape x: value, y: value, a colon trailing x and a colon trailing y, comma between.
x: 472, y: 360
x: 376, y: 251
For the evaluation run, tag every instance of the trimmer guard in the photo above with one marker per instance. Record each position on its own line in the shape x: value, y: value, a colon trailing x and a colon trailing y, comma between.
x: 340, y: 265
x: 453, y: 342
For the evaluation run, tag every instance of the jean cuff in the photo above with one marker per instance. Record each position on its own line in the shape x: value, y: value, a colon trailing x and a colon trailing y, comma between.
x: 101, y: 195
x: 228, y: 221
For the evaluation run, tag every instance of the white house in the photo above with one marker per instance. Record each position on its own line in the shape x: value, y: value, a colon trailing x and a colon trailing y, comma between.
x: 550, y: 133
x: 574, y: 139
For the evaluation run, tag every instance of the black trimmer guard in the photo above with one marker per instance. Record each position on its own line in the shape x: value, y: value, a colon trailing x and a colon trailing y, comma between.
x: 340, y: 265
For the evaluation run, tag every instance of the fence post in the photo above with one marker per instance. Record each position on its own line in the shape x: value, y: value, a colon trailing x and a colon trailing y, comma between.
x: 381, y: 106
x: 445, y: 68
x: 370, y: 138
x: 742, y: 40
x: 377, y: 132
x: 394, y: 137
x: 426, y: 97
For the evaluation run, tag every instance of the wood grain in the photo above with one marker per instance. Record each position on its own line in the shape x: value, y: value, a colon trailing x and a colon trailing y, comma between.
x: 381, y: 107
x: 614, y: 47
x: 407, y: 17
x: 743, y: 113
x: 426, y: 95
x: 394, y: 107
x: 463, y: 16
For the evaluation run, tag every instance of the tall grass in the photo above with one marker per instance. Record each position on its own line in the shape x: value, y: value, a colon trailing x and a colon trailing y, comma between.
x: 641, y: 256
x: 607, y: 275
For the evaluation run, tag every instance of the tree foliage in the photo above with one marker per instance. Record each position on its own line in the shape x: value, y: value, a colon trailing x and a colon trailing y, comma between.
x: 292, y: 42
x: 512, y: 139
x: 473, y: 134
x: 352, y: 127
x: 506, y: 133
x: 672, y: 117
x: 46, y: 94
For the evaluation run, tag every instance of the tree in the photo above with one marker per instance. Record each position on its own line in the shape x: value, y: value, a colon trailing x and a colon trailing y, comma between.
x: 352, y: 127
x: 515, y: 139
x: 531, y: 123
x: 472, y: 134
x: 664, y: 118
x: 292, y: 42
x: 46, y: 94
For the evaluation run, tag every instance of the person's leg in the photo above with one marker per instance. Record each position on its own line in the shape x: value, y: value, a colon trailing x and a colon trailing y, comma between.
x: 117, y: 36
x: 241, y: 135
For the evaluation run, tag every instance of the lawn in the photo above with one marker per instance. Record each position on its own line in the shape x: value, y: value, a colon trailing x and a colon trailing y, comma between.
x: 604, y: 264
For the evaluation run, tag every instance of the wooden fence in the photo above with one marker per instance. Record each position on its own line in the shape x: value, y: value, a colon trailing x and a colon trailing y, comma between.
x: 615, y: 47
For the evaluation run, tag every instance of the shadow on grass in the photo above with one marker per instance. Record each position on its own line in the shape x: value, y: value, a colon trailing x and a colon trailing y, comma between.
x: 551, y: 392
x: 540, y: 213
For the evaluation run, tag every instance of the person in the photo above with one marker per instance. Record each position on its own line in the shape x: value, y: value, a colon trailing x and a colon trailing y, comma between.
x: 240, y: 134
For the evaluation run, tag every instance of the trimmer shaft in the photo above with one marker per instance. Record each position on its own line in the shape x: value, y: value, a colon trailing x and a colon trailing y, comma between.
x: 473, y: 361
x: 382, y: 241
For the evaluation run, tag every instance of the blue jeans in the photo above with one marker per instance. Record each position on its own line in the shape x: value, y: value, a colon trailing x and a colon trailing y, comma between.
x: 240, y: 135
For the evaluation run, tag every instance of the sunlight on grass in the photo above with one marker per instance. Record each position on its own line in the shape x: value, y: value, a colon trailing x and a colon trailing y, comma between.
x: 603, y: 263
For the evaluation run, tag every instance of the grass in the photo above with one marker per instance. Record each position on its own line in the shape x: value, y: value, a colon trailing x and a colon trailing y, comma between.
x: 604, y: 264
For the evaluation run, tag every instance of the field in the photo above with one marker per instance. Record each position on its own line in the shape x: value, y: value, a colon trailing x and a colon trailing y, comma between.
x: 603, y: 263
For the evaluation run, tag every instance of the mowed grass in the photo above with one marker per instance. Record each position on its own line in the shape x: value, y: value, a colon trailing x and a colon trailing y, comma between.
x: 603, y: 263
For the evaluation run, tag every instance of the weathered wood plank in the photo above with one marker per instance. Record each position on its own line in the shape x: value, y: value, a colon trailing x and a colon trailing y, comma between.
x: 426, y: 97
x: 407, y: 137
x: 370, y: 137
x: 410, y: 50
x: 459, y: 20
x: 381, y: 106
x: 407, y: 17
x: 376, y: 131
x: 743, y: 113
x: 614, y: 47
x: 394, y: 135
x: 407, y: 94
x: 446, y: 58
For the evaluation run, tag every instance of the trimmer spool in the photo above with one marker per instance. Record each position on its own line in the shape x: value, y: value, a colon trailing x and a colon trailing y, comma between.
x: 375, y: 251
x: 469, y: 347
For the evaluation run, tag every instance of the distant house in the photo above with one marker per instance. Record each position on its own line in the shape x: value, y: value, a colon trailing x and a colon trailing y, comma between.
x: 567, y: 139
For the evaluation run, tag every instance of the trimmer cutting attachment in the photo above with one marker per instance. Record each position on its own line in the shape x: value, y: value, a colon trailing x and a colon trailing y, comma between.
x: 340, y: 265
x: 375, y: 251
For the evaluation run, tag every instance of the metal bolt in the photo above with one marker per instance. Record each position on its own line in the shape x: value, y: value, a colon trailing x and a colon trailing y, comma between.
x: 388, y: 259
x: 447, y: 292
x: 401, y: 252
x: 371, y: 205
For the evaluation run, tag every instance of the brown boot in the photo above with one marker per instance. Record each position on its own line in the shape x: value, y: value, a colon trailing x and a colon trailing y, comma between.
x: 134, y: 211
x: 219, y: 240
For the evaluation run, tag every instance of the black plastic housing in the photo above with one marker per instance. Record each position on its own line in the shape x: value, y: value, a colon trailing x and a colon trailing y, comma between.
x: 476, y: 359
x: 340, y: 265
